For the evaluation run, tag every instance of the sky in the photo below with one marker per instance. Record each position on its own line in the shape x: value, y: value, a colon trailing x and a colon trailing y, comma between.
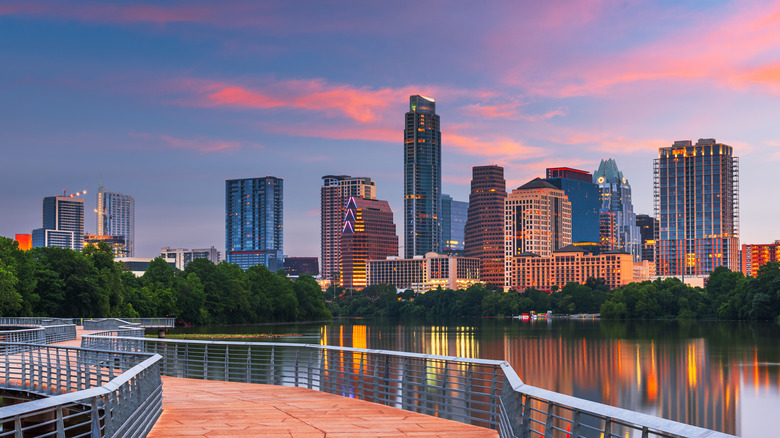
x: 166, y: 100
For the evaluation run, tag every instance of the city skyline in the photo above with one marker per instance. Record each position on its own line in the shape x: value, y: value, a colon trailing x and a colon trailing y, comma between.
x: 166, y: 102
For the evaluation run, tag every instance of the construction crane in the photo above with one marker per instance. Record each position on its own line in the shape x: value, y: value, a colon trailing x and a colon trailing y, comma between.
x: 65, y: 193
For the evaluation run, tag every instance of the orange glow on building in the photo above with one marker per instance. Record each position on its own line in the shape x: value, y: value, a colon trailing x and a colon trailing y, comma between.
x: 24, y: 240
x: 756, y: 256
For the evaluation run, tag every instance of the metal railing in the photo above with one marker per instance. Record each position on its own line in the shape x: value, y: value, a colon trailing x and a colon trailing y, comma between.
x: 113, y: 323
x: 482, y: 392
x: 33, y: 321
x: 50, y: 334
x: 90, y: 393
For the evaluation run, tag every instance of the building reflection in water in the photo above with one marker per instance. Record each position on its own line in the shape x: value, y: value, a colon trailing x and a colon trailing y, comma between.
x: 680, y: 379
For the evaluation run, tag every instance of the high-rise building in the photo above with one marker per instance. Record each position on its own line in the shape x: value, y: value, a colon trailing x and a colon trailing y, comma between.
x: 334, y: 194
x: 63, y: 223
x: 181, y: 257
x: 422, y: 178
x: 485, y: 224
x: 116, y: 217
x: 648, y: 226
x: 615, y: 205
x: 368, y: 234
x: 584, y: 197
x: 537, y: 219
x: 453, y: 225
x: 424, y: 273
x: 696, y: 194
x: 254, y: 223
x: 24, y: 241
x: 756, y: 256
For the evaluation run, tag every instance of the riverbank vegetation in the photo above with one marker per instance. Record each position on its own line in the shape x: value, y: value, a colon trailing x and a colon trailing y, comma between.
x: 90, y: 284
x: 728, y: 295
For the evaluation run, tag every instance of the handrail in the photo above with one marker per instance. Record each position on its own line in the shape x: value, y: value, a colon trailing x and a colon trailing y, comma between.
x: 477, y: 391
x: 109, y: 323
x: 91, y: 392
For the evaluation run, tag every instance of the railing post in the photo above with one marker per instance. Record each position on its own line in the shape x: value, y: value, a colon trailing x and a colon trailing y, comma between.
x: 493, y: 395
x: 249, y: 364
x: 273, y: 366
x: 607, y: 427
x: 95, y: 415
x: 548, y: 425
x: 526, y: 429
x: 296, y: 366
x: 575, y: 428
x: 60, y: 423
x: 308, y: 368
x: 444, y: 406
x: 360, y: 377
x: 227, y: 366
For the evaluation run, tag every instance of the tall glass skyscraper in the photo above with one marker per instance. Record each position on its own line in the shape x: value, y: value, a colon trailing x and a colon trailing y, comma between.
x: 696, y: 194
x: 584, y: 197
x: 485, y: 223
x: 453, y: 225
x: 422, y: 178
x: 116, y: 217
x: 617, y: 211
x: 63, y: 223
x: 254, y: 223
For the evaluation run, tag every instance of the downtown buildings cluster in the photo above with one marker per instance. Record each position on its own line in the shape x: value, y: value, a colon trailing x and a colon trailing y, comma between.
x: 568, y: 226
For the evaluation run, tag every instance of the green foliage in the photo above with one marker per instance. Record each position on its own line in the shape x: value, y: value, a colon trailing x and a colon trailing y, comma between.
x: 62, y: 282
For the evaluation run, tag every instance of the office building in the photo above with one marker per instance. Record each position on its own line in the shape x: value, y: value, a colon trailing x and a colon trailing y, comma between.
x: 584, y: 197
x: 453, y: 225
x: 181, y: 257
x: 297, y: 266
x: 696, y: 194
x: 537, y: 219
x: 138, y: 265
x: 368, y: 233
x: 422, y: 178
x: 485, y: 222
x: 756, y: 256
x: 648, y: 227
x: 574, y: 263
x: 334, y: 194
x: 117, y: 243
x: 616, y: 206
x: 116, y: 217
x: 424, y: 273
x: 254, y: 222
x: 63, y: 223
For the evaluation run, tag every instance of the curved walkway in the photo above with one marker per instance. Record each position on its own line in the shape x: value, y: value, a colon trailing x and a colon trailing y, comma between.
x: 208, y: 408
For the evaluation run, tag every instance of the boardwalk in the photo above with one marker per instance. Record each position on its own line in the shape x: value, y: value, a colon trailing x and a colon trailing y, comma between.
x: 200, y: 408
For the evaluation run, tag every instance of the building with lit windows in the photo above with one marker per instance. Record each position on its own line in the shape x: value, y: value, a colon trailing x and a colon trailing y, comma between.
x: 696, y: 196
x: 254, y: 222
x: 756, y: 256
x: 117, y: 243
x: 485, y: 223
x: 616, y: 207
x: 422, y: 178
x: 648, y: 227
x: 368, y: 233
x: 537, y: 219
x: 181, y: 257
x: 334, y: 194
x: 63, y: 223
x: 573, y: 263
x: 424, y: 273
x: 297, y: 266
x: 584, y: 197
x: 453, y: 225
x: 116, y: 217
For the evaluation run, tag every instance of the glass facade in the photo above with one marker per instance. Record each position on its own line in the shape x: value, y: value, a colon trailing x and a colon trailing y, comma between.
x: 63, y: 223
x: 453, y: 224
x: 696, y: 195
x: 422, y: 178
x: 254, y: 223
x: 116, y: 217
x: 584, y: 197
x: 615, y: 202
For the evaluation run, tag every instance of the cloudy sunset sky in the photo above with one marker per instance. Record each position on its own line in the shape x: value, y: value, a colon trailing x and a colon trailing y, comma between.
x: 166, y: 100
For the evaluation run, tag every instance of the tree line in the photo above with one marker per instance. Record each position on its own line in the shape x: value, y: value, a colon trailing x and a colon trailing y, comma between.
x: 90, y: 284
x: 727, y: 295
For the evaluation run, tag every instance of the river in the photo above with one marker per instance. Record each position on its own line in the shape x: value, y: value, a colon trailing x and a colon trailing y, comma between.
x: 719, y: 375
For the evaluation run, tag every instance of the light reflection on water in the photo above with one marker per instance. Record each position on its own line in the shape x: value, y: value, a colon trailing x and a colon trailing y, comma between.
x: 719, y: 375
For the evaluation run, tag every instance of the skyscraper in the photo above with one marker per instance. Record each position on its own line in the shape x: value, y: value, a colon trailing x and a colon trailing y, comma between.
x: 116, y: 217
x: 334, y: 194
x: 537, y: 218
x: 63, y: 223
x: 617, y: 211
x: 584, y: 197
x: 648, y: 227
x: 485, y: 224
x: 254, y: 223
x: 696, y: 194
x: 422, y: 178
x: 453, y: 224
x: 368, y: 234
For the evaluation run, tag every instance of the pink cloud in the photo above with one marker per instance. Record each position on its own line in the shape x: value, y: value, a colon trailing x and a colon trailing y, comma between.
x: 199, y: 144
x: 492, y: 147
